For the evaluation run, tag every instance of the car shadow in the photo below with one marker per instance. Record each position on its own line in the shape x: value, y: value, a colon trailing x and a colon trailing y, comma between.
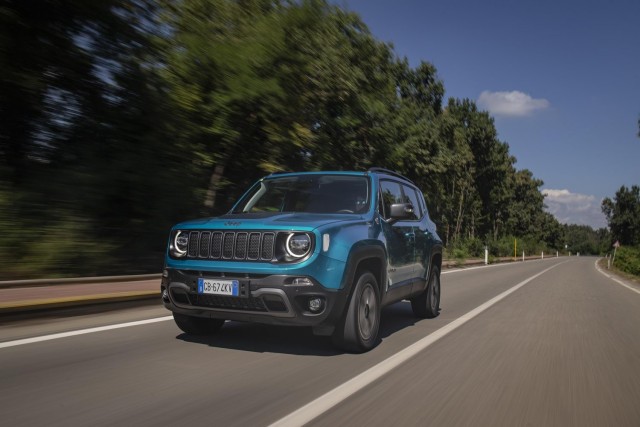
x: 259, y: 338
x: 396, y: 317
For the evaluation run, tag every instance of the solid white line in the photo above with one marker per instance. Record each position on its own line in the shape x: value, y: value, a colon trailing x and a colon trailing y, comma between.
x: 461, y: 269
x: 82, y: 332
x: 620, y: 282
x: 328, y: 400
x: 502, y: 264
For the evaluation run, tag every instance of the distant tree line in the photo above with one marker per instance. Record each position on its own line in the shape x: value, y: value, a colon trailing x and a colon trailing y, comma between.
x: 121, y: 117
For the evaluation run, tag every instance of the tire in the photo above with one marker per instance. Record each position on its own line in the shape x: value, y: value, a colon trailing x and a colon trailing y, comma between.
x: 358, y: 330
x: 427, y: 304
x: 197, y: 325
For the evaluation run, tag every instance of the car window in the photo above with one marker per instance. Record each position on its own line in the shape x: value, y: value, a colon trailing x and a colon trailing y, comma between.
x: 420, y: 202
x: 420, y: 205
x: 410, y: 196
x: 391, y: 193
x: 309, y: 194
x: 423, y: 202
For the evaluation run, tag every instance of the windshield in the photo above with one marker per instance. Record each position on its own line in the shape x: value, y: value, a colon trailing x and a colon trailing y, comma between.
x: 309, y: 194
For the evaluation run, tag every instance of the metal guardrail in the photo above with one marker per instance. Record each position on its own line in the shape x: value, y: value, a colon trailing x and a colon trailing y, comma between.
x: 76, y: 280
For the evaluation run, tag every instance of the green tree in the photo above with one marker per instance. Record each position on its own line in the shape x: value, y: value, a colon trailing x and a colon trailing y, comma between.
x: 492, y: 167
x: 623, y: 215
x: 75, y: 150
x: 297, y: 85
x: 585, y: 240
x: 416, y: 148
x: 121, y: 117
x: 526, y: 203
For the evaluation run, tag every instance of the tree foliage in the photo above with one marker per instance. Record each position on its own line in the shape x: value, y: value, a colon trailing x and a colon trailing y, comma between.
x: 124, y: 116
x: 623, y: 215
x: 585, y: 240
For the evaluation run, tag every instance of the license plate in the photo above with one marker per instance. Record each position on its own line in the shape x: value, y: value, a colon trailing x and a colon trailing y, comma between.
x: 218, y: 287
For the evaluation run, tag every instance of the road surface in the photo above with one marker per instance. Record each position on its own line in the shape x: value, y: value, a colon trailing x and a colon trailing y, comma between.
x: 552, y: 342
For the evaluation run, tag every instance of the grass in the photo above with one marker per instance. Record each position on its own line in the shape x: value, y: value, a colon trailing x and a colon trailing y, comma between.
x: 602, y: 263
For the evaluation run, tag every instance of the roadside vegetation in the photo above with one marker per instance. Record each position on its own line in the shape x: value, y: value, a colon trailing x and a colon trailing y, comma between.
x: 623, y: 215
x: 628, y: 260
x: 122, y: 117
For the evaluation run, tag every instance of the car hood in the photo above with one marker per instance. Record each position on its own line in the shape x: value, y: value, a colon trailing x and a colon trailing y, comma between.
x: 267, y: 220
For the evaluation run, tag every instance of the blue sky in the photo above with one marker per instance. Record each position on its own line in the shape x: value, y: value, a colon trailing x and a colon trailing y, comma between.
x: 561, y: 78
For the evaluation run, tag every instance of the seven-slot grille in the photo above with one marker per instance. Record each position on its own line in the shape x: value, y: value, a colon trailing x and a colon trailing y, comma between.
x: 231, y: 245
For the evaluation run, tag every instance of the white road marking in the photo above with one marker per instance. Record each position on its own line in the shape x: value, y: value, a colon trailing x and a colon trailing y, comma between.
x: 461, y: 269
x: 501, y: 264
x: 82, y: 332
x: 620, y: 282
x: 163, y: 319
x: 330, y: 399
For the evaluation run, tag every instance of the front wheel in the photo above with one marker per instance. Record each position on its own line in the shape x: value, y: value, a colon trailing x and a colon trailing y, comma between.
x: 197, y: 325
x: 358, y: 331
x: 427, y: 304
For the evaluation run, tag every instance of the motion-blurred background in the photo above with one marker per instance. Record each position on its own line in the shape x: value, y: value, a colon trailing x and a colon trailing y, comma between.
x: 122, y: 117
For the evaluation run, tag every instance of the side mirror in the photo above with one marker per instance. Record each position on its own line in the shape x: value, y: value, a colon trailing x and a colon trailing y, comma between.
x: 400, y: 211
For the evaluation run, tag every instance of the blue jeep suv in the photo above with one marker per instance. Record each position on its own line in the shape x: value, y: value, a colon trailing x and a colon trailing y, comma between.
x: 320, y: 249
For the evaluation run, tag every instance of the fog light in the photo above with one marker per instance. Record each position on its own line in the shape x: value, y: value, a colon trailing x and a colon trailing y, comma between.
x: 315, y: 304
x: 165, y: 295
x: 165, y: 273
x: 301, y: 281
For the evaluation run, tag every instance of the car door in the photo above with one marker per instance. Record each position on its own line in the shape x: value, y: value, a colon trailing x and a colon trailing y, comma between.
x: 423, y: 235
x: 399, y: 236
x: 420, y: 231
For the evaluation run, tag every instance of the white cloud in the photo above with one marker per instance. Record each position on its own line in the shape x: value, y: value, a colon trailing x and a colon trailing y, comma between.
x: 574, y: 208
x: 514, y: 103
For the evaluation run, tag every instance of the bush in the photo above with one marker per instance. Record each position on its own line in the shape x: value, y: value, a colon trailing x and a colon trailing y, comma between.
x: 474, y: 247
x: 502, y: 247
x: 628, y: 260
x: 459, y: 255
x: 61, y: 248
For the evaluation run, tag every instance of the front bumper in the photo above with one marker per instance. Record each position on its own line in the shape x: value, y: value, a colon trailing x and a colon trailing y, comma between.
x: 270, y: 299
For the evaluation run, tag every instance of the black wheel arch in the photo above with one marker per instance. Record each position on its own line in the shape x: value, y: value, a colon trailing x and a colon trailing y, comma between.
x: 436, y: 260
x: 372, y: 258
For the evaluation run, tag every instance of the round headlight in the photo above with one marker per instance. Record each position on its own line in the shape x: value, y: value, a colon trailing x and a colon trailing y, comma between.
x: 298, y: 245
x: 180, y: 244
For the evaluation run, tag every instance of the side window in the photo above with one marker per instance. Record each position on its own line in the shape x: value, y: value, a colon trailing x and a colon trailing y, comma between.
x: 390, y: 194
x: 420, y: 209
x: 410, y: 196
x: 424, y: 204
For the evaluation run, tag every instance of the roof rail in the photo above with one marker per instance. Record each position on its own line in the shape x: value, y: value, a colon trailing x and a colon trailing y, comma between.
x: 280, y: 172
x: 389, y: 172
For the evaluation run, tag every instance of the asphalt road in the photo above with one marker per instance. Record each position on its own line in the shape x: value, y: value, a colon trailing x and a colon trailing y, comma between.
x: 550, y: 342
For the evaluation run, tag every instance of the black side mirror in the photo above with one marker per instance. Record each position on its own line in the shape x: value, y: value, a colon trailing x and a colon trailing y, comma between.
x: 400, y: 211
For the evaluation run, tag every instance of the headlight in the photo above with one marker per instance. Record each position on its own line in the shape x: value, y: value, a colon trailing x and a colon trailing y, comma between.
x: 298, y: 245
x: 179, y: 244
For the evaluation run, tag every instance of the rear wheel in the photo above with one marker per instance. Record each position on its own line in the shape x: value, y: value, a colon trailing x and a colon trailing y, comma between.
x: 358, y: 331
x: 197, y: 325
x: 427, y: 304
